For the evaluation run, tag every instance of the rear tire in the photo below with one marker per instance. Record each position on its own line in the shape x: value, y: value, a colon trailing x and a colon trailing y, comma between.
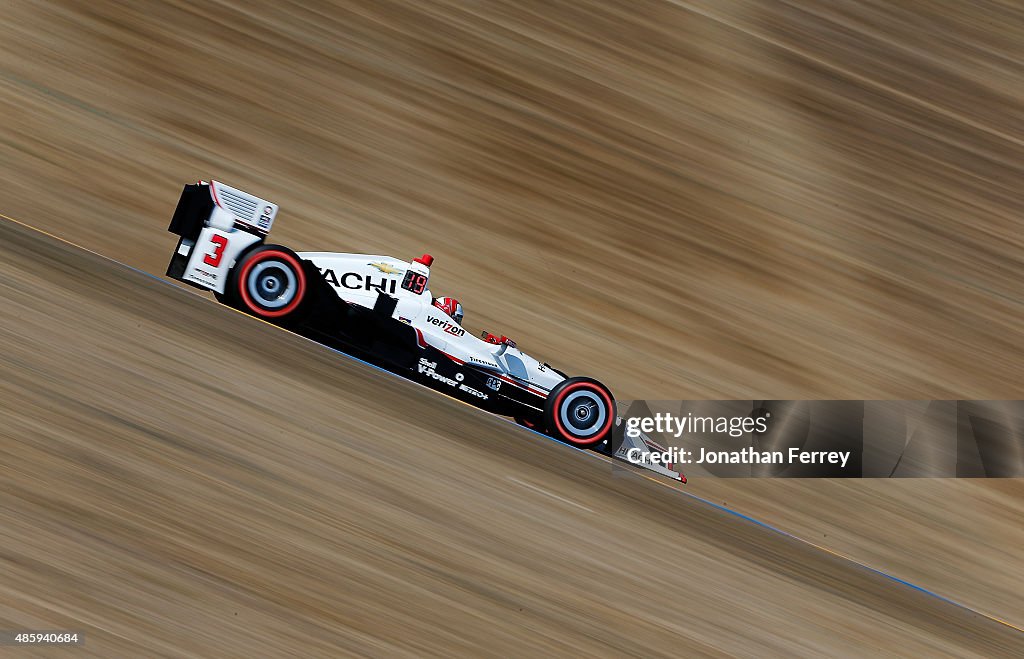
x: 581, y: 412
x: 269, y: 282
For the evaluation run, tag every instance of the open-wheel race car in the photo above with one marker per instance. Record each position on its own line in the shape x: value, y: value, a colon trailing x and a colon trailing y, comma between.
x: 380, y: 309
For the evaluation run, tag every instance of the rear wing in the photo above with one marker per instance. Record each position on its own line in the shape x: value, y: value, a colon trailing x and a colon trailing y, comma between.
x: 222, y: 207
x: 216, y: 224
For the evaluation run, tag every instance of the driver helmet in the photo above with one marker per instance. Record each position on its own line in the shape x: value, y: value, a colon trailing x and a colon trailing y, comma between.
x: 450, y: 306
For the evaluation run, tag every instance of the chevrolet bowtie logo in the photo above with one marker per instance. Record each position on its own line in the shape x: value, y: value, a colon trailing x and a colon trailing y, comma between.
x: 386, y: 268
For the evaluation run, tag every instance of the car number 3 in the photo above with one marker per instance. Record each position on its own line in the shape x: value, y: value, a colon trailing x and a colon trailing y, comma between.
x: 214, y: 257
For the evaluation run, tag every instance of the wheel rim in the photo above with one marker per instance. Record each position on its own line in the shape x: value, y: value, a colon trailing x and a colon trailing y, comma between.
x: 272, y: 284
x: 583, y: 413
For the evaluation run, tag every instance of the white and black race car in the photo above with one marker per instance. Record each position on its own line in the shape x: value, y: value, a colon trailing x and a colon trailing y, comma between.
x: 379, y: 309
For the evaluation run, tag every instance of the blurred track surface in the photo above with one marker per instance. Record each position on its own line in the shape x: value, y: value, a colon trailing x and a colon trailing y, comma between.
x: 181, y: 479
x: 684, y: 199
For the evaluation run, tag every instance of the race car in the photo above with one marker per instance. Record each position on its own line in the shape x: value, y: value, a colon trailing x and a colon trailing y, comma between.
x: 380, y: 309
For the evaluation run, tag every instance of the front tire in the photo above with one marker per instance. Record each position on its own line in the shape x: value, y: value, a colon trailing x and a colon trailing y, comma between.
x: 270, y: 283
x: 581, y: 412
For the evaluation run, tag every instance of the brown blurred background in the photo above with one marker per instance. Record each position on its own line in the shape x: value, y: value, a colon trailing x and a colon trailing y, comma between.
x: 683, y: 199
x: 722, y: 199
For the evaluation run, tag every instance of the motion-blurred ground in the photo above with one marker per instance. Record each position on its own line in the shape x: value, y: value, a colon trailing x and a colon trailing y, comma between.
x: 721, y: 199
x: 684, y: 199
x: 182, y: 480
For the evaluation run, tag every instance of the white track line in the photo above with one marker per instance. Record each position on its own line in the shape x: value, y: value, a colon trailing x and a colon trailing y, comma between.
x: 549, y: 494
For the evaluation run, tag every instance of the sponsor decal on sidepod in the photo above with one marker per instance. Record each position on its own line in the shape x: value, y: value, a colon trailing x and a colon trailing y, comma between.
x: 355, y: 281
x: 428, y: 368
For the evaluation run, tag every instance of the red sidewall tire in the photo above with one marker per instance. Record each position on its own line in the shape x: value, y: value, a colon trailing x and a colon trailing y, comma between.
x: 262, y: 255
x: 597, y: 393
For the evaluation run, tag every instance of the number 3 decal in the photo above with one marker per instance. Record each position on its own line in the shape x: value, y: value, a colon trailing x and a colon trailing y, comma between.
x: 213, y: 258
